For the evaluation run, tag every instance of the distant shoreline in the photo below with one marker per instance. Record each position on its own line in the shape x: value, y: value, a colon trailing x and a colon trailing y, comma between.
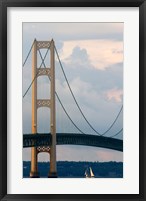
x: 72, y: 169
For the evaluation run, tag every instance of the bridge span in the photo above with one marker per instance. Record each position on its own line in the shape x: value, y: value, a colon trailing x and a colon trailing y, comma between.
x: 39, y: 139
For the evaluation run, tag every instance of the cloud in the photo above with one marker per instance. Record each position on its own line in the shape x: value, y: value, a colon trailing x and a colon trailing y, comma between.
x: 115, y: 94
x: 97, y: 109
x: 78, y: 57
x: 101, y: 53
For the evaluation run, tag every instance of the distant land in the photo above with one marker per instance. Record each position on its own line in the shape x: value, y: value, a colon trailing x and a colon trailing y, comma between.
x: 71, y: 169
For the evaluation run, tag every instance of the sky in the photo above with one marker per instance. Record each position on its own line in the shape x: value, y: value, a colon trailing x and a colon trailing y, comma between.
x: 92, y: 58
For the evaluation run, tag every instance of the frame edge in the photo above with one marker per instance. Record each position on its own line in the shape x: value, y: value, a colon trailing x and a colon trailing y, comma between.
x: 3, y: 101
x: 3, y: 112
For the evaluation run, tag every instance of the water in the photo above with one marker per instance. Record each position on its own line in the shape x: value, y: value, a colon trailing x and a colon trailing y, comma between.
x: 66, y: 169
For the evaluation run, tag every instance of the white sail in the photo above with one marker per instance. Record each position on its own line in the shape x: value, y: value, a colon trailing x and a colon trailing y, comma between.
x: 86, y: 174
x: 91, y: 172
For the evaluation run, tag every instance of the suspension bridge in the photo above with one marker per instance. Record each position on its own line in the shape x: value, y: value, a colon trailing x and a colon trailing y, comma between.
x: 47, y: 141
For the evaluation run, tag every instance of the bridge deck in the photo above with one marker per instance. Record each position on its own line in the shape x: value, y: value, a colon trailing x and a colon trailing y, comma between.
x: 34, y: 140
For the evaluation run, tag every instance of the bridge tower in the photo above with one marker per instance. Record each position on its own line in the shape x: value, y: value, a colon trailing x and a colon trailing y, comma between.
x: 36, y: 103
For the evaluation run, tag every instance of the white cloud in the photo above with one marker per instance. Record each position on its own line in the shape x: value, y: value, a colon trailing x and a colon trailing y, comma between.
x: 114, y: 94
x: 102, y: 53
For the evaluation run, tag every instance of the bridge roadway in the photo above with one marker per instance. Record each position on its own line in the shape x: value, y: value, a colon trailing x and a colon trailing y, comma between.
x: 35, y: 140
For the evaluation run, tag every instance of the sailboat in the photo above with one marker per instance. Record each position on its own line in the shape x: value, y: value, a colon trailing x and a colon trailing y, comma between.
x: 89, y: 173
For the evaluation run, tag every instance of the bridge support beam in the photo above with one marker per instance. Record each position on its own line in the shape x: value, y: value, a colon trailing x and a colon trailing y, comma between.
x: 34, y: 162
x: 53, y: 171
x: 44, y: 103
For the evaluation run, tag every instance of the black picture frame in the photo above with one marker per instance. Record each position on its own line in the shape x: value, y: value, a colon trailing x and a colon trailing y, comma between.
x: 4, y: 4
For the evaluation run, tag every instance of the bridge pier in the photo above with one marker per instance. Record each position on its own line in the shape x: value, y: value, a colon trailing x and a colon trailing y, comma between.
x: 34, y: 160
x: 52, y: 175
x: 34, y: 163
x: 53, y: 169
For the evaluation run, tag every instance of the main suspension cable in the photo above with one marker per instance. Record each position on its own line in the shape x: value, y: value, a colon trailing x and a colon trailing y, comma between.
x: 116, y: 133
x: 28, y: 54
x: 43, y: 59
x: 37, y: 72
x: 113, y: 121
x: 101, y: 134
